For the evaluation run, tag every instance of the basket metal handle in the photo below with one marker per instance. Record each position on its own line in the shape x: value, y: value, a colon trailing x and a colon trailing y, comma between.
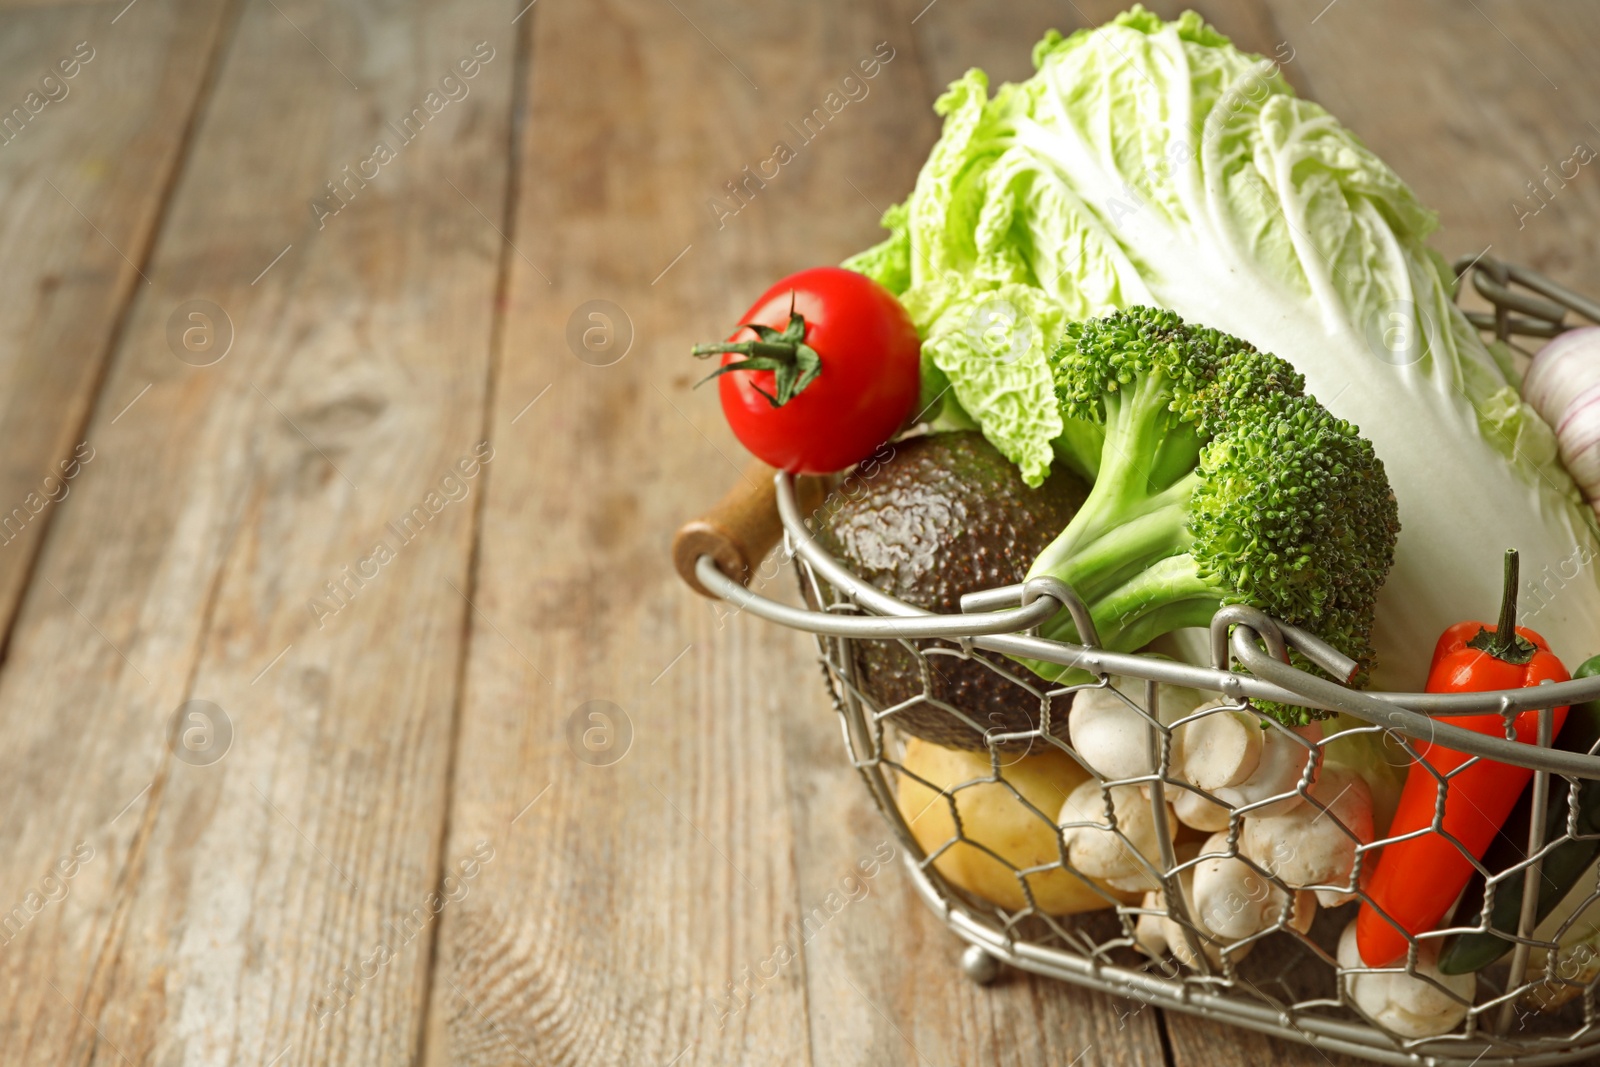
x: 1541, y: 312
x: 717, y: 554
x: 1414, y: 714
x: 737, y: 534
x: 739, y: 530
x: 877, y: 627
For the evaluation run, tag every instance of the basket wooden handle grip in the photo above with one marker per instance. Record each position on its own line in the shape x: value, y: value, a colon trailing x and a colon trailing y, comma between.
x: 741, y: 528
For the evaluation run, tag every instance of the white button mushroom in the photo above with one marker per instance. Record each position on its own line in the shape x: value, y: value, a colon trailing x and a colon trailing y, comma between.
x: 1177, y: 937
x: 1112, y: 855
x: 1194, y: 810
x: 1221, y: 749
x: 1212, y: 944
x: 1159, y: 933
x: 1234, y: 900
x: 1242, y: 760
x: 1110, y: 736
x: 1162, y: 932
x: 1147, y: 931
x: 1308, y: 846
x: 1408, y: 1005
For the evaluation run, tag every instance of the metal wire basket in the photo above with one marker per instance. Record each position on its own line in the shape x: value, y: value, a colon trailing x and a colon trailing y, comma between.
x: 1283, y: 978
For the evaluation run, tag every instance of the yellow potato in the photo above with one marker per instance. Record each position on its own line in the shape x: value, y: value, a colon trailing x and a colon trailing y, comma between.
x: 992, y: 816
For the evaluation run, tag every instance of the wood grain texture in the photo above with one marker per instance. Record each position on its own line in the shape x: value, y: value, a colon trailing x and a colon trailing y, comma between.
x: 956, y: 35
x: 523, y: 799
x: 645, y: 877
x: 224, y: 903
x: 86, y: 161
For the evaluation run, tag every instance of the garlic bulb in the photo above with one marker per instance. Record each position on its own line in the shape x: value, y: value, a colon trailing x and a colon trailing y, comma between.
x: 1563, y: 386
x: 1563, y: 368
x: 1578, y: 434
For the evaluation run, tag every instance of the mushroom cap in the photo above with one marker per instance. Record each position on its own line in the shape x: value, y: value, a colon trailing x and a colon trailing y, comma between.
x: 1194, y: 810
x: 1222, y: 748
x: 1097, y: 850
x: 1110, y: 736
x: 1211, y: 944
x: 1407, y: 1005
x: 1308, y: 846
x: 1235, y: 900
x: 1284, y: 755
x: 1147, y: 928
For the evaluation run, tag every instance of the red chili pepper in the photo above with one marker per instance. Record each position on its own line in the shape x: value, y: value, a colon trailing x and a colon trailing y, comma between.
x: 1417, y: 880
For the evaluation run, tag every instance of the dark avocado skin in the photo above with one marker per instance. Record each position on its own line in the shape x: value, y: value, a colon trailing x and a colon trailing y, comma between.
x: 946, y: 515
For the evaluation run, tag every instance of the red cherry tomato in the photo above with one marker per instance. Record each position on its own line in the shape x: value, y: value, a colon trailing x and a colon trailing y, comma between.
x: 867, y: 371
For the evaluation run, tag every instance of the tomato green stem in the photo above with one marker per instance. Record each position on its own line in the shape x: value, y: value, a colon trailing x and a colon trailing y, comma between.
x: 761, y: 349
x: 793, y: 363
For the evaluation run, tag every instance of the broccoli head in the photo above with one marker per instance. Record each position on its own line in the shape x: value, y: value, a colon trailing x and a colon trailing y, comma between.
x: 1218, y: 481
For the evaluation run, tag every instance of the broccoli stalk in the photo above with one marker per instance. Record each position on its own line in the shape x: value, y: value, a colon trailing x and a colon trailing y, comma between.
x: 1218, y: 481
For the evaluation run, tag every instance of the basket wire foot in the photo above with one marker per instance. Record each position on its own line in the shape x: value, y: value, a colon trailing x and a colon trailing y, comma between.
x: 979, y: 965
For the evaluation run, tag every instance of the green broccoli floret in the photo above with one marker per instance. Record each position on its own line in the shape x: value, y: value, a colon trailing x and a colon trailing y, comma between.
x: 1218, y: 481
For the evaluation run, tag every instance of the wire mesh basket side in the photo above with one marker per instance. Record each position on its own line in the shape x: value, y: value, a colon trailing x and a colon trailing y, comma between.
x: 1266, y: 957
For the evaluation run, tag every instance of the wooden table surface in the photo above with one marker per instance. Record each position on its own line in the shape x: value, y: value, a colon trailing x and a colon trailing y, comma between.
x: 307, y: 431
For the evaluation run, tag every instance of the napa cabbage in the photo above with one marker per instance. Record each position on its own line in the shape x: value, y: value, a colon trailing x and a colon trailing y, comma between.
x: 1150, y: 162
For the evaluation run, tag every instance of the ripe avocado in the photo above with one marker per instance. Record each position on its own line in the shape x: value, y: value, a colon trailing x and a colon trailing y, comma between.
x: 945, y: 515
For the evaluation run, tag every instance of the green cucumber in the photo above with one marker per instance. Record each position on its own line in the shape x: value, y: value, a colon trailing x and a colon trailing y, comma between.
x: 1563, y: 865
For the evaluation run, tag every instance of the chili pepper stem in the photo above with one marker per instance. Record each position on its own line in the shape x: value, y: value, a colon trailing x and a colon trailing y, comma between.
x: 1506, y: 632
x: 1505, y: 644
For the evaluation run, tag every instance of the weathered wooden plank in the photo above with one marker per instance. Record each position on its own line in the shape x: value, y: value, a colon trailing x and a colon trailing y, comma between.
x: 956, y: 35
x: 17, y: 5
x: 274, y: 905
x: 627, y: 900
x: 93, y: 109
x: 589, y: 936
